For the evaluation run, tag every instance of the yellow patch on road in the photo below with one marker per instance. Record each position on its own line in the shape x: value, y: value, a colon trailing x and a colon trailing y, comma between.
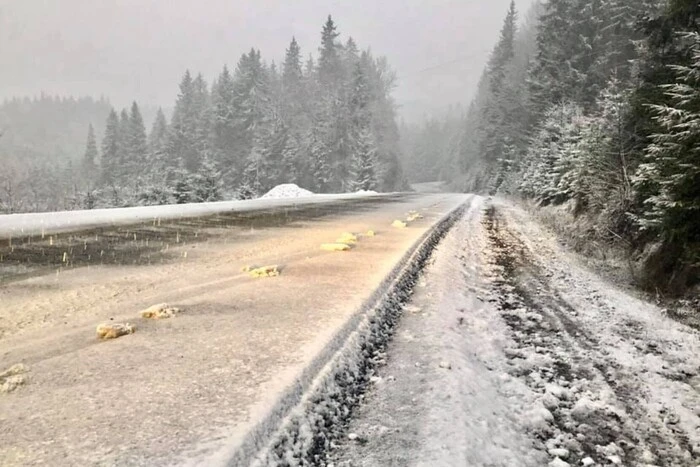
x: 265, y: 271
x: 335, y: 247
x: 413, y: 216
x: 370, y: 233
x: 347, y: 238
x: 114, y: 330
x: 160, y: 311
x: 399, y: 224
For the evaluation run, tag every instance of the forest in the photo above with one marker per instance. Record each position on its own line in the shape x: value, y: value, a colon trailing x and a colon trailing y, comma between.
x: 593, y: 106
x: 325, y: 123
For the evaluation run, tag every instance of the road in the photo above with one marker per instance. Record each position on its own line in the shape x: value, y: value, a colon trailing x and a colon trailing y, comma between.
x: 487, y: 344
x: 512, y: 352
x: 184, y: 390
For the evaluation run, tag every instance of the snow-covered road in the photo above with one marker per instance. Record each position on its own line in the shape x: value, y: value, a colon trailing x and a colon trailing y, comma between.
x: 495, y: 348
x: 184, y: 390
x: 512, y: 354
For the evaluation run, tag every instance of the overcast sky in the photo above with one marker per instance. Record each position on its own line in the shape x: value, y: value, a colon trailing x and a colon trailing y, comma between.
x: 138, y: 49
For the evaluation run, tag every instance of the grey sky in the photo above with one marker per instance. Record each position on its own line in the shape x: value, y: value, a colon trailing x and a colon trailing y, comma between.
x: 138, y: 49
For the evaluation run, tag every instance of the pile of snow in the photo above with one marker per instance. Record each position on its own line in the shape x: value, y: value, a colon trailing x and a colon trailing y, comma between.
x: 287, y: 190
x: 366, y: 192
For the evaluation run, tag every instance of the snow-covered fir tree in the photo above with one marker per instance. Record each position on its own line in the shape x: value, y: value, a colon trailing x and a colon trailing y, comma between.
x: 363, y: 170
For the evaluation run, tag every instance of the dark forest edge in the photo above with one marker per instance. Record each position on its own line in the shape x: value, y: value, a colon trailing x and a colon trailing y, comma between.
x: 593, y: 106
x: 328, y: 125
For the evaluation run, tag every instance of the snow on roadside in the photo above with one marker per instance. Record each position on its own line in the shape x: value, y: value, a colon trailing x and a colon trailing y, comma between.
x: 287, y: 190
x: 619, y: 380
x: 40, y: 223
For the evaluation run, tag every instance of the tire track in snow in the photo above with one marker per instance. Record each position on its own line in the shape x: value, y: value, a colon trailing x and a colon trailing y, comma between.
x: 595, y: 409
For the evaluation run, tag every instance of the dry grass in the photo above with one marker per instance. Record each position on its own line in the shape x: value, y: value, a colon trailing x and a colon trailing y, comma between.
x: 114, y: 330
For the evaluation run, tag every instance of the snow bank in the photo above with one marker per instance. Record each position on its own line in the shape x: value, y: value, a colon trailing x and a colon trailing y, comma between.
x: 16, y: 225
x: 287, y: 190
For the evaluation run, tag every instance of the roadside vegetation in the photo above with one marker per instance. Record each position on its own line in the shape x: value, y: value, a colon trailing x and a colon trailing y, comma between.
x: 591, y: 109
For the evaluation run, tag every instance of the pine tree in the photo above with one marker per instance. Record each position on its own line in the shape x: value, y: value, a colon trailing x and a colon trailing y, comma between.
x: 319, y: 167
x: 136, y: 145
x: 671, y: 171
x: 329, y: 64
x: 552, y: 155
x: 553, y: 79
x: 294, y: 96
x: 123, y: 168
x: 364, y: 163
x: 110, y: 149
x: 224, y: 136
x: 252, y: 106
x: 499, y: 106
x: 292, y: 165
x: 182, y: 146
x: 206, y: 183
x: 91, y: 155
x: 157, y: 138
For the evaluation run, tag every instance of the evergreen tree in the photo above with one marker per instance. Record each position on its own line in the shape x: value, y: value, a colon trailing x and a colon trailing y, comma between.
x: 670, y: 175
x: 110, y: 149
x: 206, y: 183
x: 183, y: 135
x: 329, y: 64
x: 319, y: 167
x: 252, y: 106
x: 364, y: 164
x: 136, y: 145
x: 91, y: 155
x: 124, y: 163
x: 292, y: 164
x: 157, y: 138
x: 293, y: 85
x: 224, y: 135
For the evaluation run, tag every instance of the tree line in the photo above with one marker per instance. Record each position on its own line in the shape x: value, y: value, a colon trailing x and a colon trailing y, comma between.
x: 595, y: 105
x: 327, y: 124
x: 41, y: 140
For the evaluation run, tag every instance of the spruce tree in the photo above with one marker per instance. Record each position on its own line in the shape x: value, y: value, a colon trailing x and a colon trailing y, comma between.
x: 157, y: 138
x: 293, y: 98
x: 91, y: 155
x: 182, y: 150
x: 252, y: 106
x: 110, y: 149
x: 224, y: 136
x: 329, y: 64
x: 136, y: 145
x: 670, y: 175
x: 363, y: 172
x: 319, y: 162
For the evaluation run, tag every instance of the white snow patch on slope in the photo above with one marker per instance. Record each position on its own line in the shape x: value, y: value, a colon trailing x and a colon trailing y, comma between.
x: 287, y: 190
